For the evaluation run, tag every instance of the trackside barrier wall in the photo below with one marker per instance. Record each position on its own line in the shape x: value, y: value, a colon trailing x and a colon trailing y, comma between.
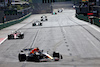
x: 85, y: 18
x: 9, y: 23
x: 97, y: 21
x: 82, y: 17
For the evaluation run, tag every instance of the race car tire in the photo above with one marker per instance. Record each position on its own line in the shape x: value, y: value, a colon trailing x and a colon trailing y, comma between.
x: 9, y: 37
x: 21, y: 36
x: 33, y: 24
x: 40, y: 24
x: 27, y: 58
x: 56, y: 59
x: 22, y: 57
x: 41, y: 19
x: 36, y: 59
x: 61, y: 57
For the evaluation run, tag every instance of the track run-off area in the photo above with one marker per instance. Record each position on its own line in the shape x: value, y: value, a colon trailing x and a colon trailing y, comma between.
x: 78, y: 41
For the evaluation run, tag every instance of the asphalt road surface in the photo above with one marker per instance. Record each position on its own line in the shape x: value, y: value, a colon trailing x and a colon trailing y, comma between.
x: 76, y: 40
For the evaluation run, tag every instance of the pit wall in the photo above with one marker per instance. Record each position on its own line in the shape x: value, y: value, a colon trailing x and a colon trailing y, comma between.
x: 85, y: 18
x: 12, y: 22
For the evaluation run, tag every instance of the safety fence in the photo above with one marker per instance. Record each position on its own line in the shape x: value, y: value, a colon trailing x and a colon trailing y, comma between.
x: 9, y: 23
x: 97, y: 21
x: 85, y: 18
x: 82, y: 17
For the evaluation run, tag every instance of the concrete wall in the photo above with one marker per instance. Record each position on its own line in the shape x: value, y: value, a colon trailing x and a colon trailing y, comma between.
x: 37, y: 1
x: 65, y: 5
x: 15, y: 16
x: 9, y: 23
x: 46, y: 7
x: 1, y: 16
x: 12, y: 17
x: 42, y: 8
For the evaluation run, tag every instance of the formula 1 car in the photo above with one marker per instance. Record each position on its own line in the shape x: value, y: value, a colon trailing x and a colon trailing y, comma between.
x: 60, y: 10
x: 25, y: 55
x: 44, y: 18
x: 16, y: 35
x: 54, y: 13
x: 74, y: 6
x: 37, y: 23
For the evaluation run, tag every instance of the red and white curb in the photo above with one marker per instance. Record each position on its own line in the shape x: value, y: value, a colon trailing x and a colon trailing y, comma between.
x: 2, y: 40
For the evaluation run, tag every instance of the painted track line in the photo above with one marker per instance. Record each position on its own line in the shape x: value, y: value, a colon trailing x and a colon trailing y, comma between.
x: 96, y: 28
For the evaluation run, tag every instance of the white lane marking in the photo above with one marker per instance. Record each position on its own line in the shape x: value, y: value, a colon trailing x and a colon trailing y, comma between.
x: 79, y: 20
x: 57, y: 45
x: 3, y: 40
x: 92, y: 43
x: 98, y: 29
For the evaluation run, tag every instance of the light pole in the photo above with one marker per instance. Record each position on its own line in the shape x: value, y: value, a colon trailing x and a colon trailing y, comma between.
x: 52, y: 6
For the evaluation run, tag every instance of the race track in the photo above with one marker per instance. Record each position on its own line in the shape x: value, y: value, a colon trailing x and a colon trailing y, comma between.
x: 76, y: 40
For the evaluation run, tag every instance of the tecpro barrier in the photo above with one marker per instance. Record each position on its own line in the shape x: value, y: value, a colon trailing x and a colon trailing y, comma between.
x: 82, y: 17
x: 9, y: 23
x: 85, y: 18
x: 97, y: 21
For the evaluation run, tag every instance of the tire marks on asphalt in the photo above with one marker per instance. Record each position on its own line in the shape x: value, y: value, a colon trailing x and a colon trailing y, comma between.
x: 63, y: 32
x: 89, y: 33
x: 33, y: 40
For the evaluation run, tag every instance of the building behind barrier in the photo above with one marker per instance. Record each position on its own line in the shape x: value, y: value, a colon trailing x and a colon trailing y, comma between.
x: 48, y: 1
x: 44, y: 6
